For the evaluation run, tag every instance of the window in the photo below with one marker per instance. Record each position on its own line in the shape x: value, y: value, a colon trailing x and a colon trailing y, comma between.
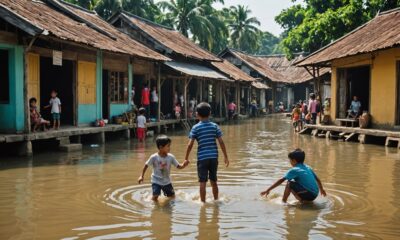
x: 4, y: 77
x: 119, y: 87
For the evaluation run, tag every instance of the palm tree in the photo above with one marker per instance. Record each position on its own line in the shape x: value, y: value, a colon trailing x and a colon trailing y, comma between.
x: 244, y: 31
x: 196, y: 18
x: 142, y: 8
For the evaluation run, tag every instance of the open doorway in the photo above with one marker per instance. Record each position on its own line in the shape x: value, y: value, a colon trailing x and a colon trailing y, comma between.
x: 61, y: 79
x: 398, y: 94
x: 167, y: 98
x: 138, y: 82
x: 353, y: 82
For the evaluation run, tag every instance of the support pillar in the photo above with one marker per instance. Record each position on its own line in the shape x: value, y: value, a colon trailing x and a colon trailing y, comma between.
x: 25, y: 149
x: 127, y: 134
x: 100, y: 137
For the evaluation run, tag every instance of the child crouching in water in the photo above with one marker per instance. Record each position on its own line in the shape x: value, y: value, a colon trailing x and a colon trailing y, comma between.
x: 303, y: 183
x: 161, y: 163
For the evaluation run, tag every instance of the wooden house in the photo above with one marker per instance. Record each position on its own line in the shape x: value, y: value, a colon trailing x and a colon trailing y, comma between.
x: 365, y: 63
x: 51, y: 45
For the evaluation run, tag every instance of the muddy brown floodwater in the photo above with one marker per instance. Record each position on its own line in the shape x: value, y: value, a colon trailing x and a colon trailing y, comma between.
x: 93, y: 194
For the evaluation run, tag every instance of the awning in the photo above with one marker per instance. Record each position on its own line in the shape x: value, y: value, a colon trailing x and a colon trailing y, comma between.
x: 259, y: 85
x: 196, y: 70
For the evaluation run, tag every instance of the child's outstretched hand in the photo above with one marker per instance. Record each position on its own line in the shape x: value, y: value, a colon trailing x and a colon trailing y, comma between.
x: 226, y: 160
x: 185, y: 163
x: 323, y: 193
x: 265, y: 193
x: 140, y: 180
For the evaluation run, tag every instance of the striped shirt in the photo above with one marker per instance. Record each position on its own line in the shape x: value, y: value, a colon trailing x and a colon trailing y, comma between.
x: 206, y: 133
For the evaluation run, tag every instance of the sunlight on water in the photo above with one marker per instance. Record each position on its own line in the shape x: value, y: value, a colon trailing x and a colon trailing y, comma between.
x: 94, y: 194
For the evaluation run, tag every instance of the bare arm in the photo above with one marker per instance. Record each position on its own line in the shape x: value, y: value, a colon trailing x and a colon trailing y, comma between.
x: 223, y: 148
x: 276, y: 184
x: 189, y: 149
x: 59, y: 106
x: 321, y: 188
x: 140, y: 179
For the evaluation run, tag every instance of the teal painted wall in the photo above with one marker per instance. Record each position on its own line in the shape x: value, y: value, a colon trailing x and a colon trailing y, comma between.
x: 86, y: 113
x: 12, y: 113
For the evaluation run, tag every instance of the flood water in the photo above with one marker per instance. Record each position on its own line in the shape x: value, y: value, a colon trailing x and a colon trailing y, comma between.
x: 94, y: 194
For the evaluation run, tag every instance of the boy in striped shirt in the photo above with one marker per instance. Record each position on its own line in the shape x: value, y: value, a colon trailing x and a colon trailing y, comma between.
x: 206, y: 134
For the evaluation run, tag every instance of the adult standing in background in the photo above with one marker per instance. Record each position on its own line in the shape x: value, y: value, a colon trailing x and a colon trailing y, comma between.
x: 312, y: 108
x: 146, y: 100
x: 154, y: 102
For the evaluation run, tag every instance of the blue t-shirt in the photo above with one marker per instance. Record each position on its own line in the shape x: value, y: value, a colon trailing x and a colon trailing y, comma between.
x: 206, y: 133
x: 305, y: 176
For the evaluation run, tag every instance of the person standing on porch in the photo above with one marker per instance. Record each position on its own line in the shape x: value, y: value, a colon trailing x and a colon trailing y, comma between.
x: 231, y: 110
x: 312, y: 108
x: 55, y: 105
x: 146, y: 100
x: 154, y: 102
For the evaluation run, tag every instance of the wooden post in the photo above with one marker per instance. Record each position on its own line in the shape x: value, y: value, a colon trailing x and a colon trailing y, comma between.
x: 159, y: 92
x: 185, y: 86
x: 26, y: 100
x: 238, y: 97
x: 201, y: 90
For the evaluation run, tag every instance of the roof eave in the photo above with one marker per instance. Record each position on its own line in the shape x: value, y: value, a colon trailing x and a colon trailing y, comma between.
x: 20, y: 22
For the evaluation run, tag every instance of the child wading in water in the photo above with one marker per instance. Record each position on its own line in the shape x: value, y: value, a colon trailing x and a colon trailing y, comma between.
x: 55, y: 105
x: 206, y: 133
x: 161, y: 163
x: 303, y: 183
x: 141, y: 125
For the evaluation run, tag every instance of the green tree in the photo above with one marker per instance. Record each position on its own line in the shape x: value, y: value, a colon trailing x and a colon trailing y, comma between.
x: 106, y: 8
x: 88, y: 4
x: 269, y: 44
x: 244, y: 30
x: 142, y: 8
x: 319, y: 22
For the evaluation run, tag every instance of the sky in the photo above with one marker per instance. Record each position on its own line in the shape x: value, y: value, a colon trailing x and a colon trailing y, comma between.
x: 264, y: 10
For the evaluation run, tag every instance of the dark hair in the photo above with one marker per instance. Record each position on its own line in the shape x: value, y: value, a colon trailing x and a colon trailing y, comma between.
x: 204, y: 109
x: 297, y: 155
x: 142, y: 110
x: 312, y: 96
x: 162, y: 141
x: 32, y: 100
x: 54, y: 91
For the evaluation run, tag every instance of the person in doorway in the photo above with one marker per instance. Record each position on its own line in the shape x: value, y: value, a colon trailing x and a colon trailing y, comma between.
x: 154, y: 102
x: 55, y: 105
x: 303, y: 183
x: 145, y: 102
x: 327, y: 111
x: 270, y: 106
x: 141, y: 125
x: 231, y: 110
x: 312, y: 108
x: 36, y: 119
x: 161, y: 163
x: 355, y: 108
x: 206, y: 134
x: 178, y: 111
x: 192, y: 107
x: 133, y: 92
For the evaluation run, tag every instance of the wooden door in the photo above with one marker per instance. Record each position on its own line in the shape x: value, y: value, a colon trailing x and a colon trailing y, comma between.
x: 86, y: 82
x: 33, y: 78
x: 398, y: 94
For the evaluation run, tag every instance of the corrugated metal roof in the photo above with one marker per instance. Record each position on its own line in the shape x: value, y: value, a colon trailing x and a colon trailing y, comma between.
x: 258, y: 65
x: 63, y: 21
x: 195, y: 70
x: 259, y: 85
x: 382, y: 32
x: 169, y: 38
x: 232, y: 71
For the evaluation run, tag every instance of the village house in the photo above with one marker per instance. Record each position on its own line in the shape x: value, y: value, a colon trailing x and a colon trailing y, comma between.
x: 46, y: 45
x: 300, y: 81
x: 268, y: 88
x: 365, y: 63
x: 191, y: 72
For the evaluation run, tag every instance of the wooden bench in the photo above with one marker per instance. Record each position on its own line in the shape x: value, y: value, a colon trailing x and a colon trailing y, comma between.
x: 345, y: 122
x: 392, y: 139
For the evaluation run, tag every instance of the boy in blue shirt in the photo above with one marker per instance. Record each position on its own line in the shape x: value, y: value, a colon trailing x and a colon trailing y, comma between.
x: 206, y: 133
x: 303, y: 183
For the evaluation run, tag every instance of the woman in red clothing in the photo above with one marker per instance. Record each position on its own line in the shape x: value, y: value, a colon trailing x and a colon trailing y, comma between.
x: 146, y: 100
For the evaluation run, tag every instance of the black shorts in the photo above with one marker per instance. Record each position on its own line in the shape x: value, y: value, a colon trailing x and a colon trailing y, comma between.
x: 303, y: 193
x: 168, y: 190
x: 207, y: 169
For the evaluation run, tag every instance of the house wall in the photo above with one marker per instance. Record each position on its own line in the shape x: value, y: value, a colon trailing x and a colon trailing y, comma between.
x: 12, y: 113
x: 383, y: 84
